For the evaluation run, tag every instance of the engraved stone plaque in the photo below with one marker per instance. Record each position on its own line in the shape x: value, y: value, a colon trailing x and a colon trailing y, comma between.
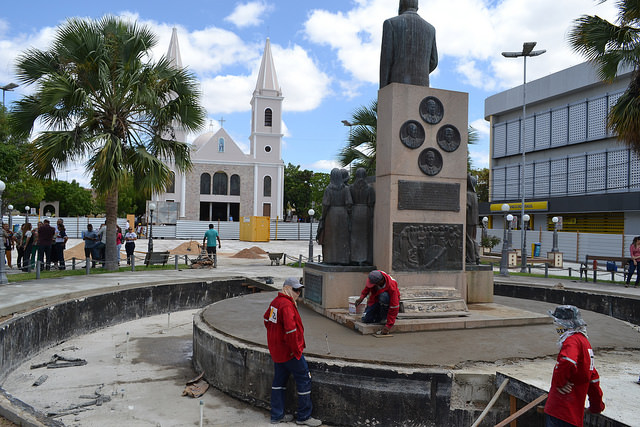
x: 313, y: 287
x: 431, y: 110
x: 412, y: 134
x: 430, y: 161
x: 428, y: 196
x: 448, y: 138
x: 427, y: 247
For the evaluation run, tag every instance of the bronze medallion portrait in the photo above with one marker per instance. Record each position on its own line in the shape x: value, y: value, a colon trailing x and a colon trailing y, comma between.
x: 431, y: 110
x: 412, y: 134
x: 430, y: 161
x: 448, y: 138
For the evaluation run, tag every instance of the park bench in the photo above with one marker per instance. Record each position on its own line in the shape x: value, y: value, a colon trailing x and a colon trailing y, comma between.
x: 275, y: 257
x: 592, y: 260
x: 156, y: 258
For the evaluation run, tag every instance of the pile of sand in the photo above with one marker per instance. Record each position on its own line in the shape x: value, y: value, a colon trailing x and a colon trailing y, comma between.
x: 251, y: 253
x: 77, y: 251
x: 187, y: 248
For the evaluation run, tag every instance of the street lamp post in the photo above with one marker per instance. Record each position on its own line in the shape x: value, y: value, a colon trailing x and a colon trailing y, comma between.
x: 152, y: 207
x: 555, y: 220
x: 26, y: 217
x: 8, y: 87
x: 510, y: 238
x: 525, y: 221
x: 485, y: 223
x: 311, y: 212
x: 504, y: 270
x: 10, y: 207
x: 527, y: 50
x: 3, y: 276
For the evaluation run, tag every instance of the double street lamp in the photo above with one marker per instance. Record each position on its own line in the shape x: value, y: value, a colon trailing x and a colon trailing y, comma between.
x: 527, y: 51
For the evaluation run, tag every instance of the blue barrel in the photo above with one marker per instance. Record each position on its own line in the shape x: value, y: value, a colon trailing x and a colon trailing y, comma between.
x: 536, y: 249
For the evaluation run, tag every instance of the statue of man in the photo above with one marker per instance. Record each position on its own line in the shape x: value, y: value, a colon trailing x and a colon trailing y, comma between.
x: 409, y: 51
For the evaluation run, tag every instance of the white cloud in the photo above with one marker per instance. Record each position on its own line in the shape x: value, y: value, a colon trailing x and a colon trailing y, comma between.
x: 249, y: 14
x: 322, y: 165
x: 482, y: 126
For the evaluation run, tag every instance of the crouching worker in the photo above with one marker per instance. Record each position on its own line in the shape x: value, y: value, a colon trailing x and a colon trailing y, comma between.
x: 285, y: 338
x: 384, y: 300
x: 574, y: 376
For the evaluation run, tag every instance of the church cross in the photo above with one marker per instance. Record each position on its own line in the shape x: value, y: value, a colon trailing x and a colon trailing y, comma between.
x: 221, y: 122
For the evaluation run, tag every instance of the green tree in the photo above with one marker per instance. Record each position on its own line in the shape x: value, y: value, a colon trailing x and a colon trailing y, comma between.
x: 482, y: 185
x: 304, y: 189
x: 608, y: 46
x: 131, y: 199
x: 363, y: 133
x: 102, y: 100
x: 74, y: 200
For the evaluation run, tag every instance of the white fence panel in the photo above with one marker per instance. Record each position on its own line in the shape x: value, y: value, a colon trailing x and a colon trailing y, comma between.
x: 600, y: 244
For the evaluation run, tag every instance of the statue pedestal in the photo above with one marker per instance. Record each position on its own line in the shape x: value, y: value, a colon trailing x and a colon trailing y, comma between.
x: 479, y: 283
x: 421, y: 182
x: 329, y: 287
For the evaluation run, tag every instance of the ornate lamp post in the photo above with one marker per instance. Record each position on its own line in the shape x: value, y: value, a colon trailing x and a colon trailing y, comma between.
x: 26, y: 217
x: 504, y: 270
x: 555, y: 220
x: 152, y: 207
x: 509, y: 238
x: 311, y: 212
x: 525, y: 222
x: 10, y: 207
x: 3, y: 276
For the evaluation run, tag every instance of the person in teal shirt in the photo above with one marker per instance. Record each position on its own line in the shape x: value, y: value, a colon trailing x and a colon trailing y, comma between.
x: 209, y: 240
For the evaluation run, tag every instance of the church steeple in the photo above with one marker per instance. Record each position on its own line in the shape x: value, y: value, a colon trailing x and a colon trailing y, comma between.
x: 267, y: 79
x: 173, y: 54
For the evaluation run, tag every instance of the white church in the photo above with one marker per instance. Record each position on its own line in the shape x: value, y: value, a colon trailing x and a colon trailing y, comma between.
x: 225, y: 183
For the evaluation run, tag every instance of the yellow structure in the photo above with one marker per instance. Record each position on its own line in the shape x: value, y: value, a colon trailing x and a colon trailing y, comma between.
x: 255, y: 228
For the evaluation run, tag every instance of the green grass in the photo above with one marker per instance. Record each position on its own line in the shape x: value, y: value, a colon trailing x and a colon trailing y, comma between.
x: 575, y: 278
x: 21, y: 277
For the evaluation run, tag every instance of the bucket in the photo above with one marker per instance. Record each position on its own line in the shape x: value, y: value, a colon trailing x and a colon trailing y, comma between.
x: 352, y: 306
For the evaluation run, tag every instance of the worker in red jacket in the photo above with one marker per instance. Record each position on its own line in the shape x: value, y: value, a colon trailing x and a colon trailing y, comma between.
x: 574, y: 376
x: 384, y: 300
x: 285, y: 338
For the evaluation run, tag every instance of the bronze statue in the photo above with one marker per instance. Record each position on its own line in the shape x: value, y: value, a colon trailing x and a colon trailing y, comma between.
x: 473, y: 253
x: 364, y: 198
x: 333, y: 230
x: 409, y: 50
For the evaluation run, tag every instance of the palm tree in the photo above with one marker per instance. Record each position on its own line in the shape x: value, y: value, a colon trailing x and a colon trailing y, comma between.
x: 102, y: 101
x: 609, y: 46
x: 361, y: 145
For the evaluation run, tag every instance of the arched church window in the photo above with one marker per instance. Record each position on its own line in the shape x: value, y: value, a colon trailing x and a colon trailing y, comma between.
x: 268, y: 117
x: 221, y: 145
x: 205, y: 183
x: 220, y: 183
x: 171, y: 188
x: 267, y: 186
x: 235, y: 185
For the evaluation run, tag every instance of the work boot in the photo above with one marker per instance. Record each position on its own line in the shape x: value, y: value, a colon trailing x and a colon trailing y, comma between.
x: 285, y: 419
x: 309, y: 422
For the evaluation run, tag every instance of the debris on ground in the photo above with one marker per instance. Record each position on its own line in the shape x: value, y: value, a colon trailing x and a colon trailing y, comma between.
x: 58, y: 361
x: 40, y: 380
x: 251, y: 253
x: 196, y: 387
x: 203, y: 260
x: 96, y: 399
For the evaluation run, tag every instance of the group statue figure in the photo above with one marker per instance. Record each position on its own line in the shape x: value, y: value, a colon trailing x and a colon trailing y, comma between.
x: 472, y: 250
x: 346, y: 226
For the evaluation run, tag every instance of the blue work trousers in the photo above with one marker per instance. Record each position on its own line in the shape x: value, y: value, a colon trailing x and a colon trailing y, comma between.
x: 300, y: 371
x: 555, y: 422
x: 377, y: 312
x: 632, y: 268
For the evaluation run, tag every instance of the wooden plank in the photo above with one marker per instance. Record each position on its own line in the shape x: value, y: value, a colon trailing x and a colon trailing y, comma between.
x: 525, y: 409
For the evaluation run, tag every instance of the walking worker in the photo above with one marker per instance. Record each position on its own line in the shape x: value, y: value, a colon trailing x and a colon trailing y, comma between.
x: 285, y: 338
x: 209, y: 241
x: 634, y: 255
x: 575, y: 375
x: 384, y: 300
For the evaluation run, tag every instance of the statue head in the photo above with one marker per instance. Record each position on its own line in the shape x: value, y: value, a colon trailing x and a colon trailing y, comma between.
x: 361, y: 173
x: 448, y: 134
x: 408, y: 5
x: 336, y: 179
x: 412, y: 130
x: 431, y: 158
x: 431, y: 107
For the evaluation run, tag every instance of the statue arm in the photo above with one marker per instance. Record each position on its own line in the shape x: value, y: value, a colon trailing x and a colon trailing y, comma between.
x: 386, y: 54
x: 433, y: 62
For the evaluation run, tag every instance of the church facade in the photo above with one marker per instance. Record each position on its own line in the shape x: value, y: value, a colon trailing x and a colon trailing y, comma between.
x: 225, y: 183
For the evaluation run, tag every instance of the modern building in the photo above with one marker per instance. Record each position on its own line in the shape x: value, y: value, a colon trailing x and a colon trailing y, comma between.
x: 225, y: 183
x: 575, y: 168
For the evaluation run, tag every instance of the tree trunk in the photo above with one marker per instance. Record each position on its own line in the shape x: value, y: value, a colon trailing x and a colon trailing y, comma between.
x: 111, y: 205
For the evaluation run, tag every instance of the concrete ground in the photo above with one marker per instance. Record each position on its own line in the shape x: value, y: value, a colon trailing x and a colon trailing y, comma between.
x: 145, y: 377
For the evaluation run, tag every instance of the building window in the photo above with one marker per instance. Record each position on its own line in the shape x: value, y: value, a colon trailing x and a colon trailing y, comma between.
x: 171, y: 188
x: 205, y: 183
x: 220, y: 183
x: 268, y: 117
x: 235, y: 185
x: 267, y: 148
x: 267, y: 186
x: 221, y: 145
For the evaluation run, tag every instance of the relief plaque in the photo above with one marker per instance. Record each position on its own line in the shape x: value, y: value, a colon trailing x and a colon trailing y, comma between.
x: 427, y: 247
x: 448, y: 138
x: 313, y: 288
x: 428, y: 196
x: 431, y: 110
x: 412, y: 134
x: 430, y: 161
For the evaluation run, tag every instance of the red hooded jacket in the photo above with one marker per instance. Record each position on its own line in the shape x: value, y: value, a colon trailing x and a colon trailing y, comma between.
x: 390, y: 286
x: 285, y: 333
x: 575, y: 364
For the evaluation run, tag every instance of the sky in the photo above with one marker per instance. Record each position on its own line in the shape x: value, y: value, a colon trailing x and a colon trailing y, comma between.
x: 326, y: 55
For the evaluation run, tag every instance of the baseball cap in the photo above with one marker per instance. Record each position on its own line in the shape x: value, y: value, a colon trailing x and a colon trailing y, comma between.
x: 375, y: 278
x: 293, y: 282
